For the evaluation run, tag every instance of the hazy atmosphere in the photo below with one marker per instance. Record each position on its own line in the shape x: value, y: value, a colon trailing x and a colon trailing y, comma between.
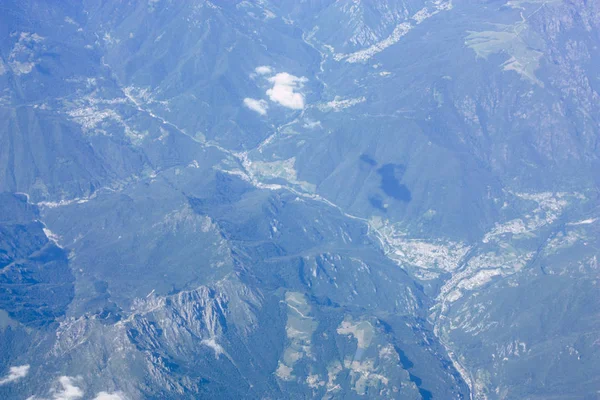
x: 311, y: 199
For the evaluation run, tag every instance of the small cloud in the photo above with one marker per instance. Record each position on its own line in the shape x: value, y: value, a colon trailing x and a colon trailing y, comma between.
x: 14, y: 374
x: 263, y: 70
x: 260, y: 106
x: 310, y: 124
x: 68, y: 390
x: 110, y: 396
x: 284, y: 90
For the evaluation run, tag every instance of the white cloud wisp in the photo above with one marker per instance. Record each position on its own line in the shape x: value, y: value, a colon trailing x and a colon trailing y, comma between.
x: 260, y: 106
x: 110, y: 396
x: 263, y: 70
x: 14, y: 374
x: 68, y: 390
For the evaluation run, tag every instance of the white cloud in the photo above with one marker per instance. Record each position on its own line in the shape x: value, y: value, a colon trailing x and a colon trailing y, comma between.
x: 284, y: 90
x: 263, y: 70
x: 14, y: 374
x: 310, y: 124
x: 110, y: 396
x: 260, y: 106
x: 68, y: 390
